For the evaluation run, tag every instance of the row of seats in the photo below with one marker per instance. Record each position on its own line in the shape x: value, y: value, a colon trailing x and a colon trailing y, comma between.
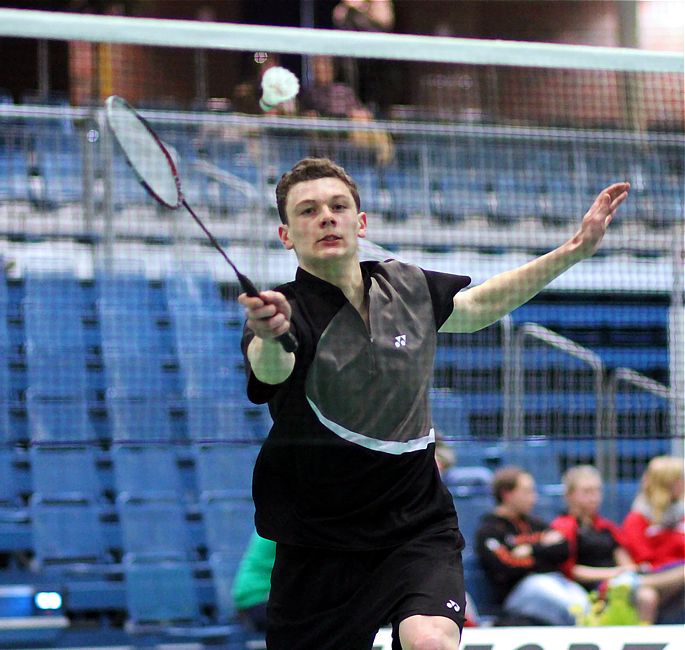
x: 191, y: 474
x: 448, y: 178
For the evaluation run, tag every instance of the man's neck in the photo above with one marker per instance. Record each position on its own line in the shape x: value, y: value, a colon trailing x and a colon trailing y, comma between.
x: 346, y: 276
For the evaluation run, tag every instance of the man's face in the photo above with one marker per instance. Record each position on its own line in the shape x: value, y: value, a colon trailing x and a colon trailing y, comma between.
x: 323, y: 223
x: 523, y: 497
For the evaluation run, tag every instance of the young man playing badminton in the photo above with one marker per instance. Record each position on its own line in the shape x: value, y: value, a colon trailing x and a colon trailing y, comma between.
x: 346, y: 482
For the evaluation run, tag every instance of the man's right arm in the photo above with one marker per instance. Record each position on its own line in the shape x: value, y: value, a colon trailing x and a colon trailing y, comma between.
x: 268, y: 316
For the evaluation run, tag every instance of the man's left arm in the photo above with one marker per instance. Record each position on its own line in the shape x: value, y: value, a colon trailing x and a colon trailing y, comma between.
x: 488, y: 302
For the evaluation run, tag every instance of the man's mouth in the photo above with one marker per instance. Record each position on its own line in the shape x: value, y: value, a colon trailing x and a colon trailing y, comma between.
x: 330, y: 238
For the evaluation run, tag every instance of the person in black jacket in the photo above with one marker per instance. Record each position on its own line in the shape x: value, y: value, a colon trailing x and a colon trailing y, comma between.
x: 521, y: 555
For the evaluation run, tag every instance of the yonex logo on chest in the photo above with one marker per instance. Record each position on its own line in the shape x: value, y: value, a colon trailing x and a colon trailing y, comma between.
x: 400, y: 341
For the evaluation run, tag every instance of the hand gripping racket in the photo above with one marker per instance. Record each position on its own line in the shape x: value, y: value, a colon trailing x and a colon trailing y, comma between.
x: 156, y: 171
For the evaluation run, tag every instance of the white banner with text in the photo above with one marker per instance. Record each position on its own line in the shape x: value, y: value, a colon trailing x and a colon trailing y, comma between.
x: 654, y: 637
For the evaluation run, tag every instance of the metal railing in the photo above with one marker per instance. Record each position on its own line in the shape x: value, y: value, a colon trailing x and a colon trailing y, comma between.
x: 645, y: 426
x: 531, y: 333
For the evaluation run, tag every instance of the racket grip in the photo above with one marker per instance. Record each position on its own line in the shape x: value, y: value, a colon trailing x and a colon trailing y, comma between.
x: 246, y: 284
x: 288, y: 341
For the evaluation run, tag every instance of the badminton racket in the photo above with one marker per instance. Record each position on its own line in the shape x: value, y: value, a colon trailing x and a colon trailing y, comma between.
x: 156, y: 171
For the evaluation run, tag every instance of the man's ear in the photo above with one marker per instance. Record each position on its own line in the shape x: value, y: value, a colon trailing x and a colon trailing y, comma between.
x: 362, y: 224
x: 284, y: 236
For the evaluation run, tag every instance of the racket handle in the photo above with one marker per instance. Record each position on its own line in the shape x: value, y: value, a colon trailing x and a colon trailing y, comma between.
x: 287, y: 340
x: 246, y: 284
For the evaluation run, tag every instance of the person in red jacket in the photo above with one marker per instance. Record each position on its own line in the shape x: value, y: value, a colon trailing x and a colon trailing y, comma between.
x: 597, y: 553
x: 654, y: 529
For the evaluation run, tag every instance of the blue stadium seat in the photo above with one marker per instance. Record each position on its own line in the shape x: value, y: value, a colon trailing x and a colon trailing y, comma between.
x: 450, y: 414
x: 470, y: 357
x: 8, y: 486
x: 538, y: 457
x: 152, y: 529
x: 468, y: 479
x: 54, y: 327
x: 5, y: 396
x: 229, y: 524
x: 56, y: 291
x: 478, y: 585
x: 470, y: 508
x: 159, y: 593
x: 186, y: 291
x: 225, y: 470
x: 12, y: 511
x: 57, y: 373
x: 67, y: 533
x: 133, y: 374
x: 589, y: 314
x: 64, y: 474
x: 229, y: 419
x: 147, y: 473
x: 136, y: 419
x: 128, y: 292
x: 203, y: 332
x: 210, y: 375
x: 224, y: 569
x: 58, y: 420
x: 131, y: 330
x: 458, y: 204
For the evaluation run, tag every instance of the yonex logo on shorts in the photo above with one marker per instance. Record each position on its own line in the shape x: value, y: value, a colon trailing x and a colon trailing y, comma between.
x: 400, y: 340
x: 452, y: 605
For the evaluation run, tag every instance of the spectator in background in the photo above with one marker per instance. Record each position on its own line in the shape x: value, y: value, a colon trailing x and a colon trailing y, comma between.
x: 253, y: 582
x: 365, y: 15
x: 597, y: 555
x: 521, y: 555
x: 327, y: 97
x: 654, y: 529
x: 371, y: 79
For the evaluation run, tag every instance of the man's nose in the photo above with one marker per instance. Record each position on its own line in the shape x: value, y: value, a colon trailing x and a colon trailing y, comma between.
x: 327, y: 216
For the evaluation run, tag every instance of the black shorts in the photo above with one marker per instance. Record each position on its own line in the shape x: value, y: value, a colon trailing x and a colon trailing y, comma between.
x: 338, y: 600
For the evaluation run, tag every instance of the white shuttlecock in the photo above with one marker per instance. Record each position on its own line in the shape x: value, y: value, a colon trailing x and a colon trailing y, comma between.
x: 278, y: 86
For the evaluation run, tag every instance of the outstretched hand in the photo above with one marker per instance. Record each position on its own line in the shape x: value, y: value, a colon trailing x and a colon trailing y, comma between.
x: 598, y: 217
x: 268, y: 315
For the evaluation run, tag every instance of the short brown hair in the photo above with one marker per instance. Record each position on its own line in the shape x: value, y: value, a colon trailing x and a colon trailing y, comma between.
x: 310, y: 169
x: 505, y: 480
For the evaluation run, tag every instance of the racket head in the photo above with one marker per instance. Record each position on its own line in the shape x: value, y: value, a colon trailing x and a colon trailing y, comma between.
x: 145, y: 152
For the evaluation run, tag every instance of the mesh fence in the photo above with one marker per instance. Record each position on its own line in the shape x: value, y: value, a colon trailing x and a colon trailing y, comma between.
x: 116, y: 307
x: 126, y: 440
